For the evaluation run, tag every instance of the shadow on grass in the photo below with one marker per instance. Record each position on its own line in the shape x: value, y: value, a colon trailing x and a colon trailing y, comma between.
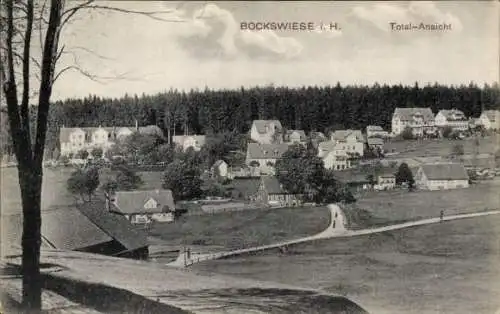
x: 100, y: 297
x: 272, y: 300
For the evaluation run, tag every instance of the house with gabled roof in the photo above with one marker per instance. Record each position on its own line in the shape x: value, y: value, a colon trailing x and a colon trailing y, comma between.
x: 264, y: 156
x: 453, y: 118
x: 266, y: 131
x: 441, y: 176
x: 490, y: 119
x: 295, y: 137
x: 220, y: 169
x: 419, y: 120
x: 352, y: 141
x: 271, y: 192
x: 143, y: 206
x: 333, y: 156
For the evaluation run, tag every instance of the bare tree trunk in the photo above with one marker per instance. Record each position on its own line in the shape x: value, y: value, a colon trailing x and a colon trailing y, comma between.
x: 30, y: 180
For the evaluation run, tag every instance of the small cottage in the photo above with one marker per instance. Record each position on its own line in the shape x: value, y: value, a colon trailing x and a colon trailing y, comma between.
x: 442, y: 176
x: 144, y: 206
x: 271, y: 192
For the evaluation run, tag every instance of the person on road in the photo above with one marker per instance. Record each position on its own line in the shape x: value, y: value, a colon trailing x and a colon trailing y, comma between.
x: 441, y: 215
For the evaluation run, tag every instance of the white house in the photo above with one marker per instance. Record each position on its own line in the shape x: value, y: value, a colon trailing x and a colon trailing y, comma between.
x: 385, y: 182
x: 376, y: 131
x: 295, y: 137
x: 453, y: 118
x: 186, y: 141
x: 144, y: 206
x: 264, y: 156
x: 333, y: 156
x: 266, y: 132
x: 220, y: 169
x: 442, y: 176
x: 490, y: 119
x: 73, y: 140
x: 352, y: 141
x: 419, y: 120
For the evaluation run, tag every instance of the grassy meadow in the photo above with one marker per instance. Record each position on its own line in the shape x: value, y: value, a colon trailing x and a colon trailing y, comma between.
x: 443, y: 147
x: 442, y: 268
x: 241, y: 229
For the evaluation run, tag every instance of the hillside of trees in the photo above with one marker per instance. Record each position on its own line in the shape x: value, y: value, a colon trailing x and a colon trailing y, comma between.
x: 308, y: 108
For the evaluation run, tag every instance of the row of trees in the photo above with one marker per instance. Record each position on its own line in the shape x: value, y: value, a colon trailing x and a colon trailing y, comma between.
x: 307, y: 108
x: 84, y: 182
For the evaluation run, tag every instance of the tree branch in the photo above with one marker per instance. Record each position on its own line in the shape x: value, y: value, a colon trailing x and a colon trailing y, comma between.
x: 10, y: 90
x: 25, y: 120
x: 47, y: 73
x: 151, y: 14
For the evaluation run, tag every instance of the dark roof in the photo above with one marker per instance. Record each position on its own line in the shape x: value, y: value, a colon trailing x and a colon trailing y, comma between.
x: 450, y: 171
x: 375, y: 141
x: 114, y: 225
x: 351, y: 177
x: 266, y: 151
x: 67, y: 228
x: 272, y: 185
x: 407, y: 114
x: 261, y: 125
x: 132, y: 202
x: 76, y: 227
x: 11, y: 227
x: 246, y: 186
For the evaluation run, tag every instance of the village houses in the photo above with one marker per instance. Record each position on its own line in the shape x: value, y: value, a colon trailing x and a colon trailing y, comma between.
x: 141, y: 207
x: 441, y: 176
x: 455, y: 119
x: 266, y: 132
x: 376, y: 131
x: 195, y: 142
x: 419, y: 120
x: 334, y: 157
x: 490, y: 119
x: 264, y: 156
x: 73, y: 140
x: 352, y: 141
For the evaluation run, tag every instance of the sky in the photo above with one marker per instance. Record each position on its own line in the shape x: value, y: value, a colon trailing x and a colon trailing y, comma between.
x: 201, y: 44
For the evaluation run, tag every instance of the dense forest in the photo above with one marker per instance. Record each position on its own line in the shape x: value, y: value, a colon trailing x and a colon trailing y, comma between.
x: 308, y: 108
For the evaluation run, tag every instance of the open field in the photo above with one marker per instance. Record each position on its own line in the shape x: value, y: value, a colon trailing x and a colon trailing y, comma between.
x: 444, y: 268
x: 244, y: 229
x: 442, y: 147
x: 403, y: 205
